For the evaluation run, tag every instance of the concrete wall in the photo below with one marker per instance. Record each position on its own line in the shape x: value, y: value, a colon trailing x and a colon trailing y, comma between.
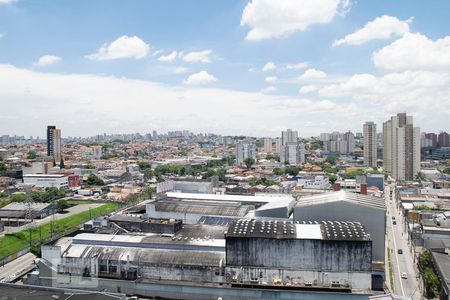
x: 299, y: 254
x: 356, y: 280
x: 373, y: 219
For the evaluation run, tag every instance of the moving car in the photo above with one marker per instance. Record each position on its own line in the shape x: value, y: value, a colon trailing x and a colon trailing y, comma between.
x: 400, y: 251
x: 394, y: 222
x: 404, y: 275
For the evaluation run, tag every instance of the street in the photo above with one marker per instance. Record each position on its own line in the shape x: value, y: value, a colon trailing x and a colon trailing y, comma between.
x: 70, y: 211
x: 398, y: 242
x: 9, y: 271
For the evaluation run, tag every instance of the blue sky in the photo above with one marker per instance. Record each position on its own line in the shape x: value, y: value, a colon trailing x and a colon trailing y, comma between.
x: 215, y: 80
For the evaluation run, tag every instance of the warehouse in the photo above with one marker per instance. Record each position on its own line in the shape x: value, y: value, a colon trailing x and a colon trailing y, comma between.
x: 347, y: 206
x: 322, y: 254
x: 15, y: 214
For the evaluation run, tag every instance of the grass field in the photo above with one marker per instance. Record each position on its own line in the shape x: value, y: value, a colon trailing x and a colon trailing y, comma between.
x: 10, y: 244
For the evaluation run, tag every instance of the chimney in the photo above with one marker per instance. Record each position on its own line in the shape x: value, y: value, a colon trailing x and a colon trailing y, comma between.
x: 363, y: 188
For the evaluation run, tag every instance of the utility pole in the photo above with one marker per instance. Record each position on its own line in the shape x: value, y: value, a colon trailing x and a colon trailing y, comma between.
x: 29, y: 210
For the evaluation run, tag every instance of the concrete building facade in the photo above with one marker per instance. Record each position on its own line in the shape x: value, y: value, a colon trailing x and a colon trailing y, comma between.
x: 370, y: 144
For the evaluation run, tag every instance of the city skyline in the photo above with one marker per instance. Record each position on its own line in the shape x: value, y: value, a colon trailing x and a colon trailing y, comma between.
x: 263, y: 78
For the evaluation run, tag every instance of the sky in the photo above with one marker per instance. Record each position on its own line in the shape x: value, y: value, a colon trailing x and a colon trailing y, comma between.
x: 252, y: 67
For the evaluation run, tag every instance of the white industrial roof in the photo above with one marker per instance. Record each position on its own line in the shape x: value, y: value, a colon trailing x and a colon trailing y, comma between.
x: 342, y: 195
x: 308, y: 231
x: 218, y: 197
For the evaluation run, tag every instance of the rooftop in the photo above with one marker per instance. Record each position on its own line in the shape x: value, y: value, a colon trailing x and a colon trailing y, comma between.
x: 359, y: 199
x: 219, y: 197
x: 324, y: 230
x: 203, y: 208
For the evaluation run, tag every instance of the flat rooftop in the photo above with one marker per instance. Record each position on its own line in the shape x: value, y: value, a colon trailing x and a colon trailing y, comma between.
x: 323, y: 230
x: 359, y: 199
x: 220, y: 197
x: 218, y: 209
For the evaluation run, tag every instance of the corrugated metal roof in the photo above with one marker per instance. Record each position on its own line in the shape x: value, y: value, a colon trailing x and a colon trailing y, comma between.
x: 360, y: 199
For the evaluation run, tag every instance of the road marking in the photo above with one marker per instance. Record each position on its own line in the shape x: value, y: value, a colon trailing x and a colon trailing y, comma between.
x: 396, y: 253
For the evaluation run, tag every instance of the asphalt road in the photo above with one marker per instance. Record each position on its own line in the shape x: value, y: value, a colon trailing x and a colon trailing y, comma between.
x: 398, y: 240
x: 12, y: 269
x: 70, y: 211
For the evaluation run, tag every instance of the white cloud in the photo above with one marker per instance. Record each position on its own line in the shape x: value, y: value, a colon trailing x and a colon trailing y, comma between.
x: 170, y: 57
x: 7, y: 1
x: 307, y: 89
x: 197, y: 56
x: 180, y: 70
x: 98, y: 103
x: 273, y: 18
x: 298, y: 66
x: 269, y: 66
x: 312, y: 74
x: 1, y: 35
x: 382, y: 28
x: 123, y: 47
x: 46, y: 60
x: 268, y: 89
x: 270, y: 79
x: 414, y: 51
x: 202, y: 77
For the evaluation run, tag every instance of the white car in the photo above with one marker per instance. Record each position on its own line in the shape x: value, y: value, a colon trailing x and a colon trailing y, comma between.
x: 404, y: 275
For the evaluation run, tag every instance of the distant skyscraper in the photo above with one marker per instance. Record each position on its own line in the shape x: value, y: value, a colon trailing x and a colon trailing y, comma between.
x: 401, y: 147
x: 370, y: 144
x: 57, y: 148
x: 433, y: 137
x: 349, y: 142
x: 245, y: 150
x: 443, y: 140
x: 292, y: 154
x: 267, y: 145
x: 289, y: 136
x: 50, y: 140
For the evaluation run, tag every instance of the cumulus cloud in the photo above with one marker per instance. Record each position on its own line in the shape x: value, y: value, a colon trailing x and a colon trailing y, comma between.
x: 46, y: 60
x: 382, y: 28
x: 180, y: 70
x: 298, y: 66
x: 307, y: 89
x: 273, y: 18
x: 312, y: 74
x: 270, y: 79
x: 414, y: 51
x: 98, y: 103
x: 268, y: 89
x: 7, y: 1
x: 197, y: 56
x: 169, y: 57
x: 202, y: 77
x: 123, y: 47
x: 269, y: 66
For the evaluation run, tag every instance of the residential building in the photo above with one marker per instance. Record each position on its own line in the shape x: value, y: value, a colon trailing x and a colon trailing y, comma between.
x: 401, y: 147
x: 97, y: 152
x: 292, y: 153
x: 370, y: 144
x: 289, y: 136
x: 57, y: 147
x: 319, y: 182
x: 50, y: 140
x: 433, y: 137
x: 443, y: 139
x: 267, y: 145
x: 245, y: 150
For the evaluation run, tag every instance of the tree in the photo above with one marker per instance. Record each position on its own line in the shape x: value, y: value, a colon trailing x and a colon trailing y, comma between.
x: 332, y: 159
x: 61, y: 164
x: 89, y: 166
x: 273, y: 156
x: 61, y: 205
x: 32, y: 154
x: 332, y: 178
x: 94, y: 180
x: 293, y: 171
x: 278, y: 171
x: 249, y: 162
x: 3, y: 168
x: 150, y: 191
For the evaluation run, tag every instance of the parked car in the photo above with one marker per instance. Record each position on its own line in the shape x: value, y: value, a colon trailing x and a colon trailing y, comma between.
x: 394, y: 222
x: 400, y: 251
x: 404, y: 275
